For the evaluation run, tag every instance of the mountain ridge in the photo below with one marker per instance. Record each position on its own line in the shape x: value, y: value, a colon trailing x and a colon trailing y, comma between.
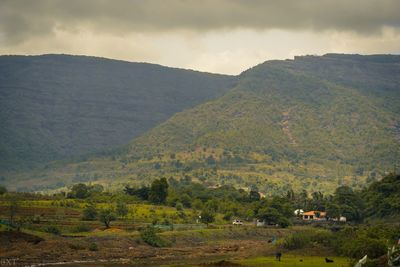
x: 312, y: 123
x: 56, y: 106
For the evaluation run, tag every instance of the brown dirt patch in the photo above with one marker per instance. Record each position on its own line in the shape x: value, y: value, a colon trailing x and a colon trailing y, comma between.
x: 7, y: 237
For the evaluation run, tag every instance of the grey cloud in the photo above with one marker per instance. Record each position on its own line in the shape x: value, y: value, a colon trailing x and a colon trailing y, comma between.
x: 23, y: 19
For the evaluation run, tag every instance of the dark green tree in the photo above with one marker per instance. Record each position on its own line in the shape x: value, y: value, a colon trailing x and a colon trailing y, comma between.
x: 350, y: 203
x: 3, y: 190
x: 271, y: 215
x: 106, y: 216
x: 207, y: 217
x: 90, y: 212
x: 142, y: 193
x: 159, y: 191
x: 186, y: 200
x: 79, y: 191
x: 254, y: 195
x: 333, y: 210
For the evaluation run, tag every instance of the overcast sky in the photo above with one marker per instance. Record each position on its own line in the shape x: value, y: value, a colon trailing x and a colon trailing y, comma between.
x: 210, y: 35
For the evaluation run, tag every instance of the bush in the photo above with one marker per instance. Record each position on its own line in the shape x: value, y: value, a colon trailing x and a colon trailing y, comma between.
x: 360, y: 246
x: 179, y: 206
x: 89, y: 213
x: 297, y: 240
x: 149, y: 236
x: 302, y: 239
x: 121, y: 209
x: 52, y: 230
x: 93, y: 247
x: 36, y: 219
x: 81, y: 228
x: 76, y: 246
x: 3, y: 190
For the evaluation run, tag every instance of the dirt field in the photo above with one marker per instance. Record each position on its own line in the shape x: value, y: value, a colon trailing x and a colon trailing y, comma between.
x: 188, y: 248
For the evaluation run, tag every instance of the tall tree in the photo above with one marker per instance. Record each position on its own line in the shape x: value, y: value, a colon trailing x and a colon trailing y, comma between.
x: 159, y: 191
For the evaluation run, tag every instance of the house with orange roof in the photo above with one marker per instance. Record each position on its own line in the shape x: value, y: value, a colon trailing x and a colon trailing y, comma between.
x: 314, y: 215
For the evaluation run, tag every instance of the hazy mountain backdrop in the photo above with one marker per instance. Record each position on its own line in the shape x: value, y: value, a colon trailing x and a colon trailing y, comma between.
x: 309, y: 123
x: 55, y: 106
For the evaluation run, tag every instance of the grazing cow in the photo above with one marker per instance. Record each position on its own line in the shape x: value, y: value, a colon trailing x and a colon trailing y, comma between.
x: 328, y: 260
x: 278, y: 256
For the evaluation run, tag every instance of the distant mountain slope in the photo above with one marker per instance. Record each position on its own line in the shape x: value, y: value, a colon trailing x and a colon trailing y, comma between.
x: 333, y: 107
x: 53, y: 106
x: 310, y: 123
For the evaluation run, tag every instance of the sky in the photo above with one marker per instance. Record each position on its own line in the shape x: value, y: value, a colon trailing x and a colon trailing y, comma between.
x: 221, y: 36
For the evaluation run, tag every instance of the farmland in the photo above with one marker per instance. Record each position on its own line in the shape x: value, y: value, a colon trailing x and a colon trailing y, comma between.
x: 186, y: 224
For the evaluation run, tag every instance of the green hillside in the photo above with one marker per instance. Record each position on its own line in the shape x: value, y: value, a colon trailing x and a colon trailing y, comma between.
x: 57, y: 106
x: 281, y: 110
x: 311, y: 123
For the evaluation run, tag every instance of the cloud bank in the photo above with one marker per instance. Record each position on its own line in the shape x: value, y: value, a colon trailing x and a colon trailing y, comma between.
x: 59, y: 25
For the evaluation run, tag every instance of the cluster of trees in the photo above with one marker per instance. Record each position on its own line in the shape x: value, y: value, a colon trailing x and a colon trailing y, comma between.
x: 82, y: 191
x: 105, y: 215
x: 157, y: 193
x: 227, y: 200
x: 344, y: 202
x: 378, y: 200
x: 352, y: 242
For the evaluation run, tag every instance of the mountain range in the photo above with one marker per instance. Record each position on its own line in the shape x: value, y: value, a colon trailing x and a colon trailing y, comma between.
x: 58, y: 106
x: 311, y: 123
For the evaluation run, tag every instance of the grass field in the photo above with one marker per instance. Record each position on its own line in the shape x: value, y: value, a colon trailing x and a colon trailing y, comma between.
x: 187, y: 242
x: 294, y: 261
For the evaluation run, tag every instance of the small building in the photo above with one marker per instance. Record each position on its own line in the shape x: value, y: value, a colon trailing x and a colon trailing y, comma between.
x: 341, y: 219
x: 260, y: 223
x: 314, y: 215
x: 298, y: 212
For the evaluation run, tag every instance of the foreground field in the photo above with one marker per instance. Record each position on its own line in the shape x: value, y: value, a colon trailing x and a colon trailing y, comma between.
x: 294, y: 261
x: 92, y: 228
x: 189, y: 247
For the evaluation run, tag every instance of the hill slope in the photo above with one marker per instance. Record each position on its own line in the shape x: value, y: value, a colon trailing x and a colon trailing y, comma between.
x: 54, y: 106
x: 310, y: 123
x: 292, y: 109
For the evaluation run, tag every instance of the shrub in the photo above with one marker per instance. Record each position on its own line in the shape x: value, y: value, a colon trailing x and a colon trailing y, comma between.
x: 81, y: 228
x: 89, y: 213
x: 297, y: 240
x: 149, y: 236
x: 179, y: 206
x: 304, y: 238
x: 228, y: 215
x: 76, y: 246
x: 121, y: 209
x: 93, y: 247
x: 36, y: 219
x: 360, y: 246
x: 52, y: 230
x: 3, y: 190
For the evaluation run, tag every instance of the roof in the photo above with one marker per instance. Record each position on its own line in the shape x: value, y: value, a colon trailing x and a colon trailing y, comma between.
x: 313, y: 213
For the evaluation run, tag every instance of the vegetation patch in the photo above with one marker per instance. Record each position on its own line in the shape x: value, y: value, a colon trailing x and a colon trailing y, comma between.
x: 149, y: 236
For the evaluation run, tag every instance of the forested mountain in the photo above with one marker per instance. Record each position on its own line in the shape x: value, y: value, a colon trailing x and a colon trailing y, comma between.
x: 56, y: 106
x: 335, y: 107
x: 312, y: 123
